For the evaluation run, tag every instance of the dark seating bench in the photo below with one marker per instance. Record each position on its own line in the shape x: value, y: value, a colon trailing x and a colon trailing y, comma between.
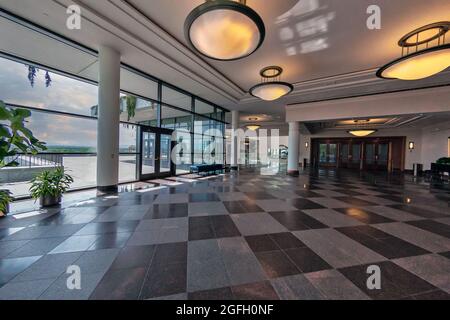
x: 206, y: 168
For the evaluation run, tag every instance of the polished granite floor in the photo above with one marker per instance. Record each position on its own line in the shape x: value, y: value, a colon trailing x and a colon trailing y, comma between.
x: 237, y: 236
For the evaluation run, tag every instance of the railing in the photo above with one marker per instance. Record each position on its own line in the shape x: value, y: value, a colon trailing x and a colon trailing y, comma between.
x: 40, y: 160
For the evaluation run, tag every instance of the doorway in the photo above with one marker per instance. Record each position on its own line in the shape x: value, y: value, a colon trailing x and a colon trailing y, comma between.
x: 155, y: 158
x: 377, y: 154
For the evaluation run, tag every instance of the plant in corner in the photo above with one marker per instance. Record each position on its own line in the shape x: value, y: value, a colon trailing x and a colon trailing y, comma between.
x: 49, y: 186
x: 444, y: 160
x: 15, y: 140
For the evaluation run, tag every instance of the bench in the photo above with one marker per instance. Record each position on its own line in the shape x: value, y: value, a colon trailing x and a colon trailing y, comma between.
x: 206, y: 168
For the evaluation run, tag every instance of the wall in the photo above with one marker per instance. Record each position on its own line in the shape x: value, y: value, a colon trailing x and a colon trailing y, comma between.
x: 435, y: 143
x: 412, y: 157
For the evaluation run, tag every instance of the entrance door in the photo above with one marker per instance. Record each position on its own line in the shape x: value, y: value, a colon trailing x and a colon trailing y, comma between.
x: 156, y: 149
x: 327, y: 154
x: 355, y: 156
x: 344, y: 155
x: 376, y: 156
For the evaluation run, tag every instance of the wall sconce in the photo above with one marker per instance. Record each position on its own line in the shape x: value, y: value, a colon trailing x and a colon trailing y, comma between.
x: 306, y: 145
x: 411, y: 146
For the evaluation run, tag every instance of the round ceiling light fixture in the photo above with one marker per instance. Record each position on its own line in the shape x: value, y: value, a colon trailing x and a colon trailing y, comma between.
x: 271, y: 88
x: 361, y: 131
x: 224, y: 30
x: 253, y: 127
x: 424, y: 54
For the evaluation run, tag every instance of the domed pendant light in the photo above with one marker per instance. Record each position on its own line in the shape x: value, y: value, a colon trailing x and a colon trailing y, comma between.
x: 430, y: 54
x: 224, y: 30
x: 271, y: 88
x: 360, y: 131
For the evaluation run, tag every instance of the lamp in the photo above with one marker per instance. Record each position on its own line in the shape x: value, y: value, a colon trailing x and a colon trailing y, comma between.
x: 224, y: 30
x: 431, y: 55
x: 411, y: 146
x: 306, y: 145
x: 253, y: 127
x: 361, y: 131
x: 271, y: 88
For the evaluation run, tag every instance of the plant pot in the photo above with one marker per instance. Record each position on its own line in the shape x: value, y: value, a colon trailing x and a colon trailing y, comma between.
x: 49, y: 201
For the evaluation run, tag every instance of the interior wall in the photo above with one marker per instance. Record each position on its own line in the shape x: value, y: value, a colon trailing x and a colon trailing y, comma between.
x: 412, y: 135
x: 435, y: 143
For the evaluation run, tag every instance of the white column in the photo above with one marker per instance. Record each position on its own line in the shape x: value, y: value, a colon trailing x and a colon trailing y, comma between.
x: 234, y: 139
x: 108, y: 120
x: 293, y: 145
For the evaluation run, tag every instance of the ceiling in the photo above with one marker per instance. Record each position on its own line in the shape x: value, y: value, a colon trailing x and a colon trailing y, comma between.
x: 324, y: 46
x: 418, y: 121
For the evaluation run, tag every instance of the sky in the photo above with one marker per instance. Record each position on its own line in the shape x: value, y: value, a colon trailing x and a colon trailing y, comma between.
x: 64, y: 94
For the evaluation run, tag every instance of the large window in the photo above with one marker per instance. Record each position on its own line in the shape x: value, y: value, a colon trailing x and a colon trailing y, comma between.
x: 64, y: 115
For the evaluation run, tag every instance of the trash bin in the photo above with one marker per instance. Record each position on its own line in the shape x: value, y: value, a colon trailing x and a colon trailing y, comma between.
x: 305, y: 163
x: 417, y: 169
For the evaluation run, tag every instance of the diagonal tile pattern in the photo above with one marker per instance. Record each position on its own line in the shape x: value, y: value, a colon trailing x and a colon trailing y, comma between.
x: 238, y: 236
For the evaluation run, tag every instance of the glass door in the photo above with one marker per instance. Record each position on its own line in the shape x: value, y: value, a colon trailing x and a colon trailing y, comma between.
x: 355, y: 157
x: 156, y: 150
x: 383, y: 156
x: 344, y: 155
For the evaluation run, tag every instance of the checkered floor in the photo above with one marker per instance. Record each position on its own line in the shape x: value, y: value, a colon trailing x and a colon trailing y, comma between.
x: 237, y: 236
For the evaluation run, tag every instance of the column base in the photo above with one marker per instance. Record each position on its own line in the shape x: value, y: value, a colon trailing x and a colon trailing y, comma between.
x: 293, y: 173
x: 108, y: 189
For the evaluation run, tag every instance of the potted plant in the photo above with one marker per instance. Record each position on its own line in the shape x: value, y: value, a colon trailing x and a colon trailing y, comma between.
x: 5, y: 199
x: 49, y: 186
x: 15, y: 140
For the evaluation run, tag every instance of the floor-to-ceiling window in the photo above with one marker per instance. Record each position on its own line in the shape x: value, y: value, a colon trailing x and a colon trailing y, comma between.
x: 64, y: 115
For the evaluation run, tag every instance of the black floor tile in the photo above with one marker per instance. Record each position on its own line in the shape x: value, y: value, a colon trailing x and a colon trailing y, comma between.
x: 200, y: 228
x: 297, y: 221
x: 134, y: 257
x: 234, y: 207
x: 164, y: 280
x: 203, y: 197
x: 356, y: 201
x: 108, y: 227
x: 304, y: 204
x: 364, y: 215
x: 306, y: 260
x: 286, y: 240
x: 308, y: 194
x: 446, y: 254
x: 432, y: 226
x: 388, y: 246
x: 433, y: 295
x: 120, y: 284
x: 111, y: 241
x: 261, y: 243
x: 168, y: 211
x: 427, y: 214
x: 224, y: 227
x: 396, y: 282
x: 170, y: 253
x: 255, y: 291
x: 276, y: 264
x: 349, y: 192
x: 259, y: 195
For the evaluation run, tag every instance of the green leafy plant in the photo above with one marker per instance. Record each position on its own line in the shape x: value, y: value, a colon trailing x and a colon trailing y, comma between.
x: 444, y: 160
x: 15, y: 138
x: 5, y: 199
x: 131, y: 106
x: 51, y: 183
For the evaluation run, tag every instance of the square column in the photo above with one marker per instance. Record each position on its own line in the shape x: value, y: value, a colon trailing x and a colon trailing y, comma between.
x: 293, y: 145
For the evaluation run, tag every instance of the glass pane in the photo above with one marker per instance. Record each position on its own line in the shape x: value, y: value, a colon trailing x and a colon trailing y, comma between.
x: 128, y: 138
x: 204, y: 108
x: 176, y: 98
x: 323, y: 153
x: 356, y: 153
x: 332, y: 154
x: 203, y: 125
x: 137, y: 84
x: 383, y: 150
x: 344, y: 153
x: 136, y: 110
x: 370, y: 153
x: 63, y: 93
x: 148, y: 153
x: 166, y: 149
x: 127, y: 168
x: 176, y: 119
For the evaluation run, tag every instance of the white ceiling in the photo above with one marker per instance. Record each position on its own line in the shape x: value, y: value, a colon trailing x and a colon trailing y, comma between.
x: 149, y: 35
